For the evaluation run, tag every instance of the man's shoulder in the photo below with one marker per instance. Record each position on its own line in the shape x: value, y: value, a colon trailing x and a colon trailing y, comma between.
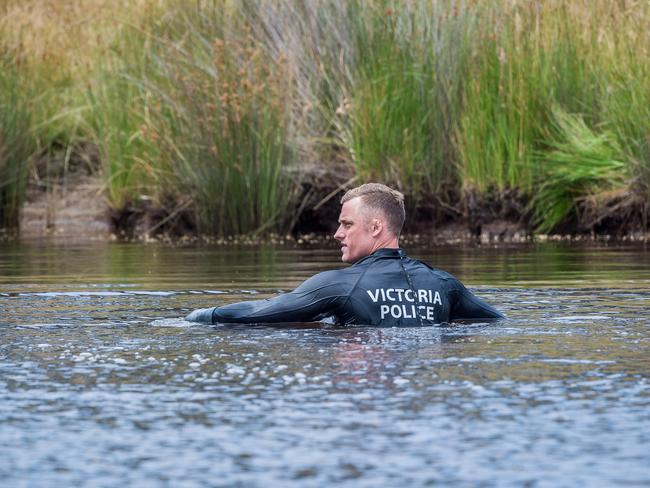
x: 341, y: 277
x: 436, y: 272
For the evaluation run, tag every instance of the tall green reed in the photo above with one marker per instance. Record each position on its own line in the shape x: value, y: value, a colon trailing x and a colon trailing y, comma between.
x: 625, y: 88
x: 17, y: 145
x: 375, y: 84
x: 406, y: 94
x: 316, y: 41
x: 577, y: 163
x: 117, y: 122
x: 119, y: 105
x: 220, y: 114
x: 525, y: 62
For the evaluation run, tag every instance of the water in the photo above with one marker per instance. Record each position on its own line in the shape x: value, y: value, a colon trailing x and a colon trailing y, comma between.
x: 102, y: 384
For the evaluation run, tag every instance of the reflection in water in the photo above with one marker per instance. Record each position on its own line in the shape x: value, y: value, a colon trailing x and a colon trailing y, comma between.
x: 103, y: 384
x: 273, y: 267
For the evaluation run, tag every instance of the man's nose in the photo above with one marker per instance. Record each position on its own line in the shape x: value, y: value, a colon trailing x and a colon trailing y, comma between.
x: 338, y: 235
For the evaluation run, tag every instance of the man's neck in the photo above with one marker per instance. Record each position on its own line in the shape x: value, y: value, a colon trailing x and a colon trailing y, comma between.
x: 392, y: 243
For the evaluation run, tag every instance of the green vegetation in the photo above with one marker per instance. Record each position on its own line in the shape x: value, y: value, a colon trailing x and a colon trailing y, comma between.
x: 17, y: 145
x: 577, y: 163
x: 220, y: 109
x: 405, y: 98
x: 116, y: 109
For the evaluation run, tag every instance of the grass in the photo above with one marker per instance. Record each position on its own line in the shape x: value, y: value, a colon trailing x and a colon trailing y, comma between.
x: 405, y: 95
x: 535, y: 62
x: 519, y: 74
x: 118, y: 128
x: 17, y: 145
x: 577, y: 163
x: 218, y: 117
x: 116, y: 108
x: 220, y: 107
x: 64, y: 47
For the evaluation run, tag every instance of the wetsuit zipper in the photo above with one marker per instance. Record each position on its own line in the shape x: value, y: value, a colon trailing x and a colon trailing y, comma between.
x: 413, y: 290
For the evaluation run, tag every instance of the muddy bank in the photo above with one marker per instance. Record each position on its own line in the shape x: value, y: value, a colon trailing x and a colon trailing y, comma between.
x: 65, y: 197
x: 74, y: 207
x: 71, y: 205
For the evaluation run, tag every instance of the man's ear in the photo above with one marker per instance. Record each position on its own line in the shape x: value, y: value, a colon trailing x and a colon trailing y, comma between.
x: 376, y: 227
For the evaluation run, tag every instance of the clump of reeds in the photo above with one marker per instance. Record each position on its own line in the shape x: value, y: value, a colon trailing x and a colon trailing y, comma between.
x: 525, y: 59
x: 587, y: 58
x: 60, y: 42
x: 16, y: 139
x: 577, y: 164
x: 405, y: 95
x: 218, y: 115
x: 220, y: 107
x: 116, y: 120
x: 65, y: 53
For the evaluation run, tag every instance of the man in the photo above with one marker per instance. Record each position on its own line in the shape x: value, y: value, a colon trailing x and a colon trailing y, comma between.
x: 382, y: 287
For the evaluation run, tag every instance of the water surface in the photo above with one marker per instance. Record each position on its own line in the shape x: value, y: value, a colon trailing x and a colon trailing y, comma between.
x: 102, y: 383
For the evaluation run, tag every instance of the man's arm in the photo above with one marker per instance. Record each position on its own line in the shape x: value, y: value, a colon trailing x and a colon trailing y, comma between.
x: 314, y: 299
x: 470, y: 307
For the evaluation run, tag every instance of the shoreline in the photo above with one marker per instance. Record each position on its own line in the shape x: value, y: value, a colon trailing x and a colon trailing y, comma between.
x: 75, y: 209
x: 495, y: 120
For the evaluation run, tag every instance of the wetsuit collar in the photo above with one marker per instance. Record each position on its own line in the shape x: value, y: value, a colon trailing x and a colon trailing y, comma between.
x: 385, y: 253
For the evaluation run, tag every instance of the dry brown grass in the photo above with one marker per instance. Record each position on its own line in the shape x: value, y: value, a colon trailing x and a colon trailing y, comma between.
x: 66, y: 36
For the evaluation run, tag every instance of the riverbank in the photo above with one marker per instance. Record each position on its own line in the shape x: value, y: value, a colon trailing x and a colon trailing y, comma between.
x: 249, y: 118
x: 74, y: 208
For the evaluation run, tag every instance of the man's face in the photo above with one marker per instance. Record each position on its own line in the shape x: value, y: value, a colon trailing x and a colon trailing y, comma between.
x: 354, y: 232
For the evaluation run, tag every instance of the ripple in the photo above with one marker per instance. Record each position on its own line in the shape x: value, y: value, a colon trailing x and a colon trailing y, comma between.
x: 174, y: 322
x: 106, y: 385
x: 581, y: 318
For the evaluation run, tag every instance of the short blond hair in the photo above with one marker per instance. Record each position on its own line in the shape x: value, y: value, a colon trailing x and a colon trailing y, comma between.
x: 383, y: 198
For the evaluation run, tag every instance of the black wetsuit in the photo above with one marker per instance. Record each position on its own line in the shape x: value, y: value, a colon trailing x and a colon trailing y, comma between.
x: 386, y: 288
